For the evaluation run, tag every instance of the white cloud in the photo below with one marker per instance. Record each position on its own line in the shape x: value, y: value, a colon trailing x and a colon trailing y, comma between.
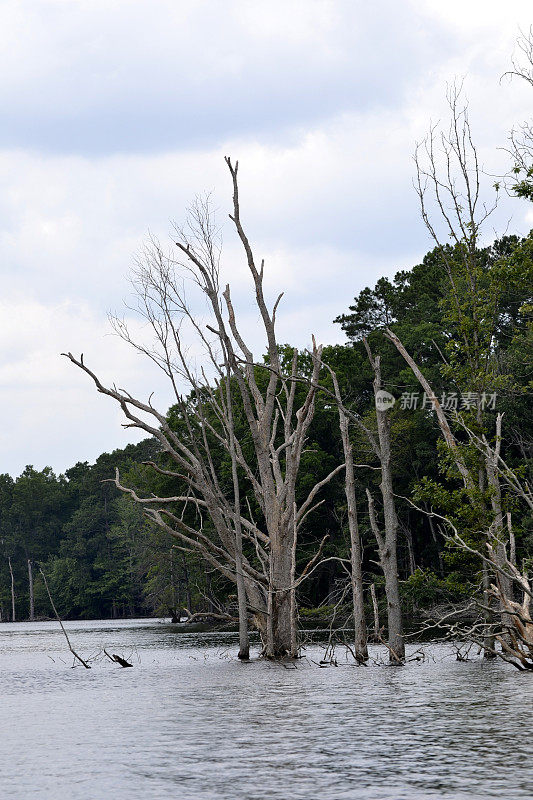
x: 133, y: 106
x: 128, y: 75
x: 51, y: 411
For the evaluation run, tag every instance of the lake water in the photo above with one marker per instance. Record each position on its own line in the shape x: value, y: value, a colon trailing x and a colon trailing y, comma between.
x: 191, y: 722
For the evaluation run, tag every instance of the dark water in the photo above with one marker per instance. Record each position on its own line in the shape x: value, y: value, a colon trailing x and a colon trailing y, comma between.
x: 190, y: 721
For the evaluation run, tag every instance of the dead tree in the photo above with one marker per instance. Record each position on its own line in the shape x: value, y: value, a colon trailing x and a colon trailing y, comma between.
x: 13, y: 609
x: 448, y: 178
x: 356, y: 556
x: 360, y: 643
x: 512, y: 623
x: 375, y: 609
x: 387, y: 539
x: 489, y: 470
x: 30, y: 584
x: 498, y: 536
x: 275, y: 424
x: 244, y: 639
x: 515, y: 632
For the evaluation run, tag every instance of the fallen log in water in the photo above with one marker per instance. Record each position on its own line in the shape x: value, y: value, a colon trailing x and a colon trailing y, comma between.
x: 118, y: 659
x: 207, y: 616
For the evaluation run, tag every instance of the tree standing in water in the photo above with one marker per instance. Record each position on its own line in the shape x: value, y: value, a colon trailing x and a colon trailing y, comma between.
x: 255, y: 550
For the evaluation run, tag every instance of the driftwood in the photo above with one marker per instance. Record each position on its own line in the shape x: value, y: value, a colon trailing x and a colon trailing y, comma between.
x: 206, y: 616
x: 118, y: 659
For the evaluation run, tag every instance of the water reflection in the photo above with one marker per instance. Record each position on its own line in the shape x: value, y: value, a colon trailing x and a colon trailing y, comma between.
x: 191, y: 720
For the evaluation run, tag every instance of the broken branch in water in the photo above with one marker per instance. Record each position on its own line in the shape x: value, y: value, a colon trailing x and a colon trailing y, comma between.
x: 80, y: 659
x: 118, y: 659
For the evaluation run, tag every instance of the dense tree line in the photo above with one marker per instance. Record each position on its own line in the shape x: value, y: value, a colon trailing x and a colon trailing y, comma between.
x: 80, y: 532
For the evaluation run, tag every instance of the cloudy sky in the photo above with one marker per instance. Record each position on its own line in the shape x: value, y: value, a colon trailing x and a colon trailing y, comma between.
x: 116, y: 113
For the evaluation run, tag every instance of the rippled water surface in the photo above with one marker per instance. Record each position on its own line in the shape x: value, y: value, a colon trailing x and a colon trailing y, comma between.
x: 190, y: 721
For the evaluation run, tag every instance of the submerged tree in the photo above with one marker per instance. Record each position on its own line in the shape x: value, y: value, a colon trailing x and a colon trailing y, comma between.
x: 254, y: 548
x: 356, y: 555
x: 387, y: 539
x: 448, y: 178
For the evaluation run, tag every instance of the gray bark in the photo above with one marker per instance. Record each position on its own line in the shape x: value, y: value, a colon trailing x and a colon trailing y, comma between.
x: 499, y: 531
x: 294, y: 607
x: 361, y: 649
x: 30, y: 582
x: 489, y: 640
x: 512, y: 541
x: 244, y: 639
x: 280, y: 636
x: 375, y: 610
x: 360, y: 638
x: 387, y: 542
x: 13, y: 615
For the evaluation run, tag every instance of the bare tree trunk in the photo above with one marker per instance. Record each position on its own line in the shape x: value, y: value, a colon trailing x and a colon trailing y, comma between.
x: 360, y: 643
x: 74, y: 653
x: 360, y: 638
x: 512, y: 541
x: 361, y: 649
x: 13, y: 615
x: 280, y: 639
x: 375, y: 608
x: 389, y: 565
x: 496, y: 501
x: 244, y: 639
x: 387, y: 543
x: 294, y: 607
x: 30, y: 582
x: 489, y: 640
x: 394, y: 611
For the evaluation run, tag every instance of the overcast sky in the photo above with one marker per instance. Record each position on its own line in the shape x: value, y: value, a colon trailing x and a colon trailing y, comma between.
x: 116, y: 113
